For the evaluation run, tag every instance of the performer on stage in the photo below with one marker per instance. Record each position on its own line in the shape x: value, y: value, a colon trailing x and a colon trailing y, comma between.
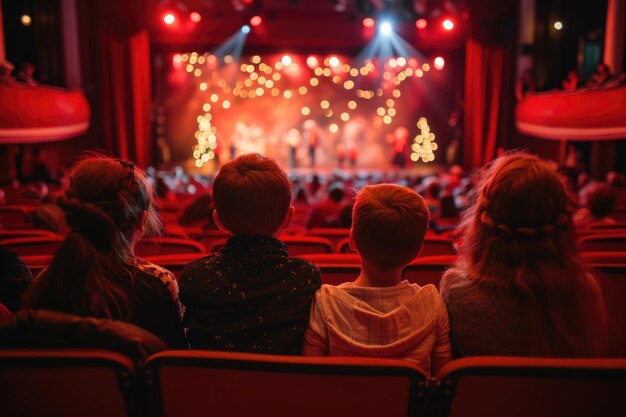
x: 399, y: 140
x: 293, y: 139
x: 311, y: 135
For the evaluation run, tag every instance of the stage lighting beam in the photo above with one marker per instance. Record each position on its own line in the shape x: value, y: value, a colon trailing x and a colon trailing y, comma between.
x: 386, y: 28
x: 245, y: 29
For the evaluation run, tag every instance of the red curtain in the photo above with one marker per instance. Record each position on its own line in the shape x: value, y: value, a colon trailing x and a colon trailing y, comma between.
x: 488, y: 100
x: 127, y: 97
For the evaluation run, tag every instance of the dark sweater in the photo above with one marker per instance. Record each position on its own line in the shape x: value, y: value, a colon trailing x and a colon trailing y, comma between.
x: 250, y: 297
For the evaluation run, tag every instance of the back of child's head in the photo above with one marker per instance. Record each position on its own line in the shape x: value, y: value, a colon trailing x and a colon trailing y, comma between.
x: 108, y: 196
x: 104, y: 206
x: 252, y: 195
x: 335, y: 192
x: 389, y: 223
x: 599, y: 198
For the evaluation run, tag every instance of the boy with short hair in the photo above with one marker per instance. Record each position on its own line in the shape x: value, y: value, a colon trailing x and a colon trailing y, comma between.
x: 250, y: 297
x: 379, y: 314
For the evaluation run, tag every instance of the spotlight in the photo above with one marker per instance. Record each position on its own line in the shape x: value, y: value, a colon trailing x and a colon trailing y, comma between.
x: 286, y: 60
x: 368, y: 22
x: 26, y: 20
x: 245, y: 29
x: 439, y: 63
x: 448, y: 24
x: 421, y: 23
x: 385, y: 28
x: 333, y: 61
x: 558, y: 25
x: 169, y: 19
x: 256, y: 20
x: 195, y: 17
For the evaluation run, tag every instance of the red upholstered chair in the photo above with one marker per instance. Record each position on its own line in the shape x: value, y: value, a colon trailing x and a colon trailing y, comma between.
x: 609, y: 227
x: 208, y: 238
x: 206, y: 383
x: 334, y: 235
x: 602, y: 242
x: 64, y: 383
x: 154, y: 246
x: 296, y: 245
x: 37, y: 263
x: 40, y: 245
x: 433, y: 246
x: 177, y: 231
x: 15, y: 216
x: 175, y: 263
x: 522, y: 387
x: 612, y: 280
x: 425, y: 270
x: 19, y: 233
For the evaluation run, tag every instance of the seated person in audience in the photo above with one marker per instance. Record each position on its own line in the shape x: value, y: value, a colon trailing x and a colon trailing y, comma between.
x: 571, y: 83
x: 519, y: 287
x: 379, y: 314
x: 15, y: 278
x: 600, y: 77
x: 250, y: 297
x: 447, y: 216
x: 597, y: 201
x: 198, y: 212
x: 95, y: 273
x: 49, y: 216
x: 327, y: 211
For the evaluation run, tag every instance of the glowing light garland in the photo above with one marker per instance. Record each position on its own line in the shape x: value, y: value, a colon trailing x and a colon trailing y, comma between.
x: 424, y: 143
x: 260, y: 79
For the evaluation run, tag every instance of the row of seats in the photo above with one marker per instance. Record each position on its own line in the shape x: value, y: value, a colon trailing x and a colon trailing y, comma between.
x: 608, y: 267
x: 47, y: 244
x: 95, y: 383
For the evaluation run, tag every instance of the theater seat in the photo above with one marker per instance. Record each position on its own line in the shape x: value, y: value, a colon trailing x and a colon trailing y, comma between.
x: 602, y: 242
x: 206, y: 383
x: 338, y: 268
x: 15, y: 216
x: 334, y: 235
x: 296, y: 245
x: 612, y: 280
x: 175, y: 263
x: 155, y: 246
x: 523, y: 387
x: 64, y: 383
x: 19, y: 233
x: 39, y: 245
x: 433, y: 246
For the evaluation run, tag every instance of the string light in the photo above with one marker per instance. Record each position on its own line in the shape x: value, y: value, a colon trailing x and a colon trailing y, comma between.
x: 257, y: 76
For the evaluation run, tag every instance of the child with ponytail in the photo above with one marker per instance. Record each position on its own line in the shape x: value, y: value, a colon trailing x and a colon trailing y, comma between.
x: 94, y: 273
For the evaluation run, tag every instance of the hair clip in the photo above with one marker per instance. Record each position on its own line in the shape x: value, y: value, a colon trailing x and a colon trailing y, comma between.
x: 131, y: 170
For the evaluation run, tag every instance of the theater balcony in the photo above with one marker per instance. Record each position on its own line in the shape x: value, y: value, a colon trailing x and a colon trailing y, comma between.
x: 580, y: 115
x: 35, y: 114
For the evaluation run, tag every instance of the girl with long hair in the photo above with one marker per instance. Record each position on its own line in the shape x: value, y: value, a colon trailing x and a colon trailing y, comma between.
x: 94, y: 273
x: 519, y: 286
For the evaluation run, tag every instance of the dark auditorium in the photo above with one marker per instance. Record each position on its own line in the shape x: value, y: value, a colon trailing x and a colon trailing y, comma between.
x: 312, y: 208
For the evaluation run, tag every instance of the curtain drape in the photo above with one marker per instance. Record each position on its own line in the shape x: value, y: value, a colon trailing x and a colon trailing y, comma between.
x: 127, y: 97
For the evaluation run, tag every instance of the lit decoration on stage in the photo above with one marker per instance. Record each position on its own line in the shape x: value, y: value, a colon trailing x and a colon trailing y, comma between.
x: 423, y: 144
x: 371, y: 86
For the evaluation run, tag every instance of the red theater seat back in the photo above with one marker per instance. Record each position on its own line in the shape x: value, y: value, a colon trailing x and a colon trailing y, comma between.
x: 155, y: 246
x: 205, y: 383
x: 64, y: 383
x: 39, y: 245
x: 523, y: 387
